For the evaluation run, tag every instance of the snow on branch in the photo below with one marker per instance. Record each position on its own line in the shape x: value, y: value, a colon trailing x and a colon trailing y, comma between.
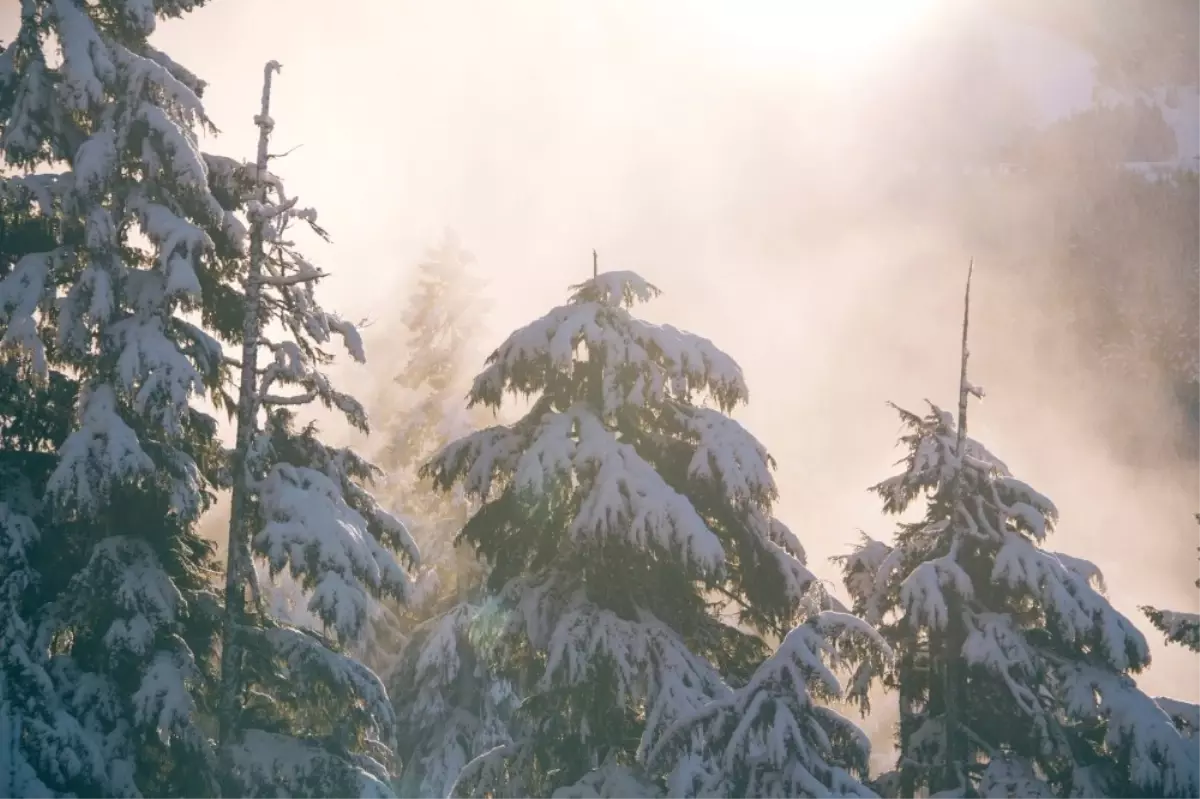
x: 293, y: 767
x: 311, y: 530
x: 769, y: 737
x: 642, y: 362
x: 1073, y: 606
x: 622, y: 495
x: 652, y: 665
x: 101, y: 453
x: 1178, y: 627
x: 1159, y: 757
x: 618, y: 289
x: 312, y: 661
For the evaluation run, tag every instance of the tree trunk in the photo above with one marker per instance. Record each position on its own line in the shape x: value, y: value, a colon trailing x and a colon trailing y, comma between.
x: 908, y: 779
x: 956, y: 741
x: 239, y: 567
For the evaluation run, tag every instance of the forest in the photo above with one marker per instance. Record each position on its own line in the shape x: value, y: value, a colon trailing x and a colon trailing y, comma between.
x: 251, y: 547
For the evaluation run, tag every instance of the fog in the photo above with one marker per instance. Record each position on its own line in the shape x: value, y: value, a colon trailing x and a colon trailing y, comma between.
x: 772, y: 183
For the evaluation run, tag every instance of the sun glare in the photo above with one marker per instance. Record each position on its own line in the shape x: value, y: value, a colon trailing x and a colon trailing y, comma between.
x: 823, y: 33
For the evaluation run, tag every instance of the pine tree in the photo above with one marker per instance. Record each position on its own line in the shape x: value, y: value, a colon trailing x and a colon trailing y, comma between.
x: 43, y: 746
x: 1012, y: 668
x: 116, y: 641
x: 422, y: 410
x: 450, y: 706
x: 1179, y: 628
x: 618, y: 518
x: 299, y: 713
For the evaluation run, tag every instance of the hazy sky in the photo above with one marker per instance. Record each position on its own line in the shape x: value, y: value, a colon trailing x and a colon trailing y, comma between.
x: 722, y: 152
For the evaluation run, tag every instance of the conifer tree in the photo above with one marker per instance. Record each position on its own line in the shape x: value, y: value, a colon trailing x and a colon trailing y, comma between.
x: 1012, y: 668
x: 299, y: 713
x: 450, y: 706
x: 43, y: 745
x: 423, y: 409
x: 1179, y: 628
x: 617, y: 518
x: 116, y: 643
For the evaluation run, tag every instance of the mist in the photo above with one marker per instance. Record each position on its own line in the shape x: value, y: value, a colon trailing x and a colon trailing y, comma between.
x: 780, y: 197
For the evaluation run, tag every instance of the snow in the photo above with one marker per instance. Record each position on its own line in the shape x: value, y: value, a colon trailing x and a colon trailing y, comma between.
x: 446, y: 716
x: 1160, y: 758
x: 327, y: 546
x: 309, y: 659
x: 769, y: 738
x: 160, y: 378
x: 163, y: 700
x: 87, y: 63
x: 611, y: 781
x: 643, y: 363
x: 180, y: 245
x: 95, y: 162
x: 621, y: 494
x: 291, y: 767
x: 728, y: 455
x: 102, y: 452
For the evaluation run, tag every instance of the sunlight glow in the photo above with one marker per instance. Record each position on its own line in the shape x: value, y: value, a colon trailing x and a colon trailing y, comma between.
x: 821, y: 33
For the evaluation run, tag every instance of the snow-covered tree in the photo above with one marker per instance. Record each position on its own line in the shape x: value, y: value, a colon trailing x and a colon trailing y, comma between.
x: 770, y: 737
x: 619, y: 519
x: 299, y: 713
x: 420, y: 411
x: 423, y: 408
x: 43, y: 746
x: 117, y: 640
x: 1179, y: 628
x: 1007, y: 648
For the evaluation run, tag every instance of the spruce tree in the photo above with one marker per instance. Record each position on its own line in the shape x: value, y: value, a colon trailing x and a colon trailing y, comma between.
x: 618, y: 518
x: 118, y: 631
x: 450, y: 706
x: 44, y: 747
x: 423, y: 408
x: 1012, y: 668
x: 1179, y: 628
x: 299, y: 712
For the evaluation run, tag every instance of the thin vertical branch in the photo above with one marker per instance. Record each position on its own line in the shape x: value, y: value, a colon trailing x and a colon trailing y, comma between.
x: 239, y: 567
x: 954, y: 689
x: 964, y: 386
x: 595, y: 265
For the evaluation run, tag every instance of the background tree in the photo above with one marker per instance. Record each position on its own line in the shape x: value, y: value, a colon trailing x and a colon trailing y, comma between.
x: 1042, y: 655
x: 1179, y: 628
x: 423, y: 408
x: 618, y: 518
x: 450, y: 705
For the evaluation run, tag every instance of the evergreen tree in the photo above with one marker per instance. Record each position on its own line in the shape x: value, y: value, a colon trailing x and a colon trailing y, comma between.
x: 422, y: 410
x: 43, y: 746
x: 299, y: 712
x: 1011, y: 666
x: 618, y: 518
x: 1179, y: 628
x: 114, y: 639
x: 450, y: 706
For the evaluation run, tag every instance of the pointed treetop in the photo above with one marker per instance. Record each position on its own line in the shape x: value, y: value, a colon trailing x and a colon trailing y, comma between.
x: 622, y: 288
x: 965, y: 388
